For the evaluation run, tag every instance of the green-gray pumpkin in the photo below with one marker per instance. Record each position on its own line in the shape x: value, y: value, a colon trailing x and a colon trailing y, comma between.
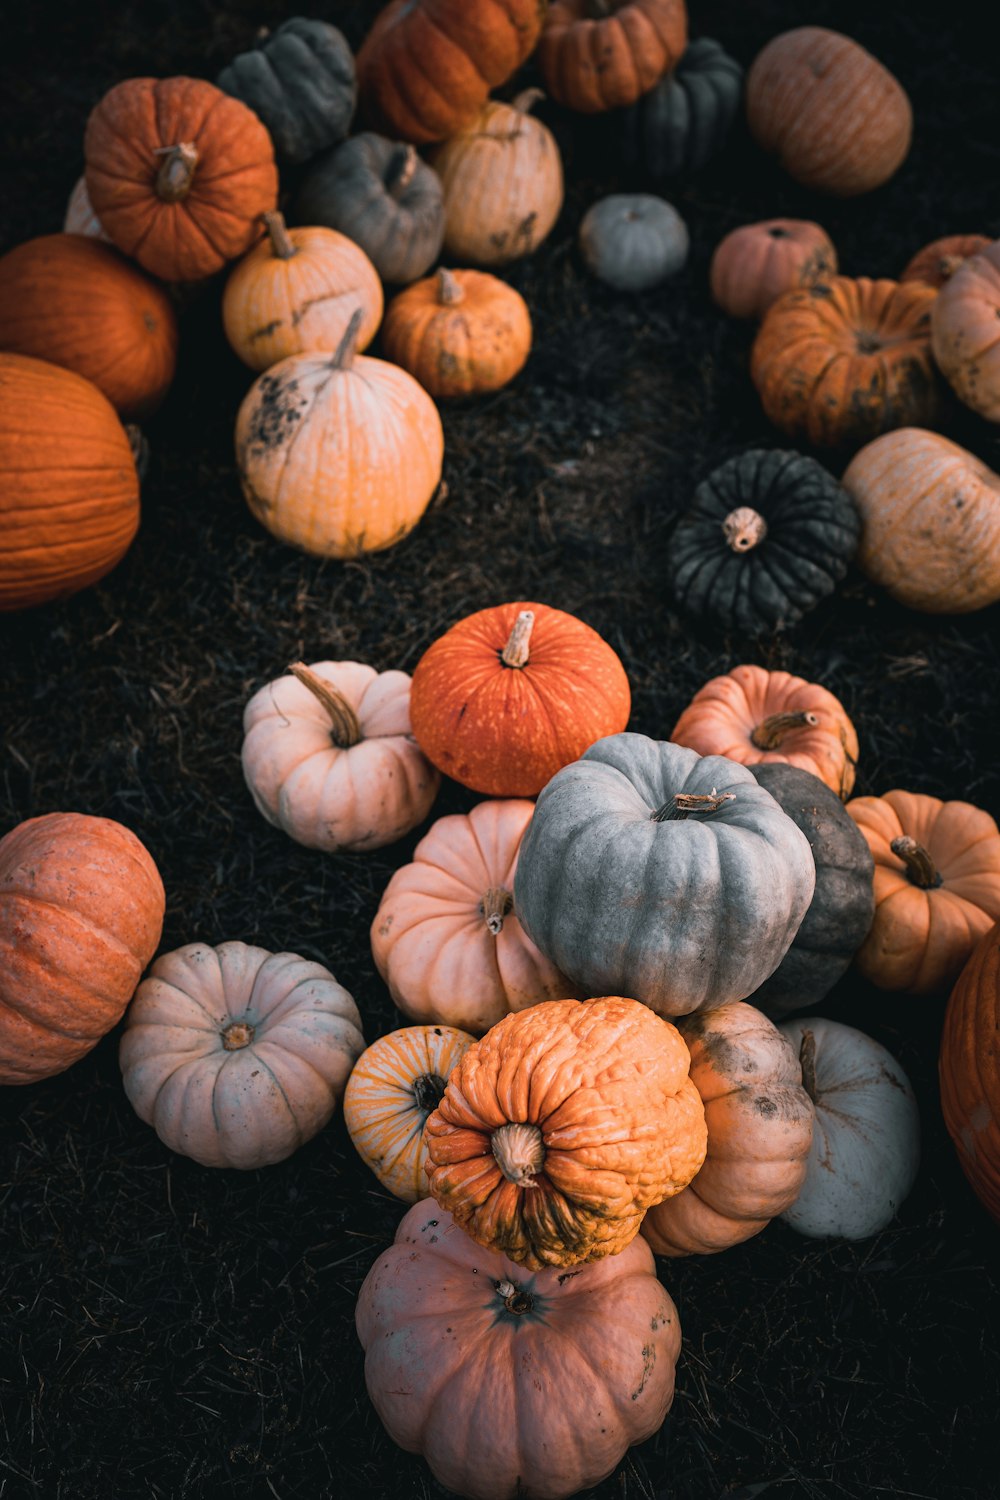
x: 650, y: 871
x: 633, y: 241
x: 681, y: 124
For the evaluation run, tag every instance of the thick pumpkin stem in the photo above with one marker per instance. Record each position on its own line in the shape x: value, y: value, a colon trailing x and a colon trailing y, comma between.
x: 281, y: 240
x: 343, y: 359
x: 399, y: 173
x: 496, y: 904
x: 515, y: 653
x: 428, y: 1091
x: 683, y: 804
x: 519, y: 1151
x: 807, y: 1062
x: 920, y: 868
x: 526, y: 100
x: 236, y: 1035
x: 175, y: 178
x: 345, y: 728
x: 449, y: 290
x: 515, y: 1299
x: 744, y: 528
x: 770, y: 732
x: 948, y: 265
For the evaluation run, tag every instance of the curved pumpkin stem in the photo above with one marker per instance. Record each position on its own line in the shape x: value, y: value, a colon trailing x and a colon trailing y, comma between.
x: 770, y: 732
x: 683, y: 804
x: 281, y: 240
x: 345, y: 728
x: 807, y: 1061
x: 449, y: 290
x: 515, y: 653
x: 526, y: 100
x: 920, y: 867
x: 347, y: 349
x: 496, y: 905
x: 519, y: 1151
x: 175, y: 178
x: 399, y: 172
x: 744, y: 528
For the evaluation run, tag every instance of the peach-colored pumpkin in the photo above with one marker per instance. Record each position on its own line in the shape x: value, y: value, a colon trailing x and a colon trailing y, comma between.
x: 757, y: 263
x: 937, y: 262
x: 965, y: 332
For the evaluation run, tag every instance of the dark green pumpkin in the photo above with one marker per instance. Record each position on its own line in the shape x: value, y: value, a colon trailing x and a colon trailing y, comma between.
x: 770, y: 533
x: 681, y: 124
x: 843, y: 902
x: 300, y: 82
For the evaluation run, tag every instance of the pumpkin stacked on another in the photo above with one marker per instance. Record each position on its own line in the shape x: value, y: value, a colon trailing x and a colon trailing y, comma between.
x: 299, y: 79
x: 681, y: 124
x: 597, y: 55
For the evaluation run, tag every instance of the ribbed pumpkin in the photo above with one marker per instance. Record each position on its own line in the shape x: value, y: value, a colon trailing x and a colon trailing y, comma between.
x: 682, y: 123
x: 80, y: 217
x: 299, y: 79
x: 758, y: 263
x: 601, y: 54
x: 633, y: 241
x: 510, y: 694
x: 179, y: 174
x: 969, y: 1070
x: 81, y: 910
x: 460, y: 333
x: 937, y: 262
x: 562, y: 1126
x: 965, y: 334
x: 338, y: 454
x: 841, y: 361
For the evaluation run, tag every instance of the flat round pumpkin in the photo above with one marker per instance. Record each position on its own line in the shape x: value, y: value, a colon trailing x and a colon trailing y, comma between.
x: 758, y: 263
x: 597, y: 55
x: 633, y: 241
x: 965, y: 334
x: 460, y: 333
x: 969, y: 1070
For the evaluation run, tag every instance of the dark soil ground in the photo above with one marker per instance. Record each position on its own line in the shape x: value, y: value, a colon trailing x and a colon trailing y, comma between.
x: 168, y: 1330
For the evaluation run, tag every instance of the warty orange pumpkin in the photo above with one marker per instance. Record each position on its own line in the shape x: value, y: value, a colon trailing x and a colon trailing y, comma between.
x: 460, y: 333
x: 969, y: 1070
x: 603, y: 54
x: 965, y: 332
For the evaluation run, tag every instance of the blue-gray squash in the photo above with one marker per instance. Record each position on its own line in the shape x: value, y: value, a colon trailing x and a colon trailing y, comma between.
x: 300, y: 82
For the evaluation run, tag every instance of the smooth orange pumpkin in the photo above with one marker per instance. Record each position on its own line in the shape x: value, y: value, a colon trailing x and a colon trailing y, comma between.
x: 460, y: 333
x: 937, y: 262
x: 603, y: 54
x: 965, y: 332
x: 757, y: 263
x: 969, y: 1070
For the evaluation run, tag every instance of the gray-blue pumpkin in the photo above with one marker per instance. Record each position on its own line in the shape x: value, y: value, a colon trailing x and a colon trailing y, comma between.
x: 633, y: 241
x: 300, y: 82
x: 681, y: 124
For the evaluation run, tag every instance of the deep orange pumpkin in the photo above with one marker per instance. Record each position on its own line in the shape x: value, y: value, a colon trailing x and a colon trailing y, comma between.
x: 601, y: 54
x: 460, y: 333
x: 937, y: 262
x: 969, y: 1070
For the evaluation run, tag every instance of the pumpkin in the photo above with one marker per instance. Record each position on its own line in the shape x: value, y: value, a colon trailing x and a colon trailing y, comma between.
x: 338, y: 454
x: 757, y: 263
x: 394, y: 1086
x: 769, y: 535
x: 179, y: 174
x: 835, y: 118
x: 510, y: 694
x: 930, y: 521
x: 866, y: 1132
x: 633, y: 241
x: 300, y: 81
x: 81, y: 911
x: 426, y: 66
x: 80, y: 217
x: 502, y: 181
x: 937, y: 888
x: 760, y: 1123
x: 964, y: 332
x: 383, y: 197
x: 843, y: 902
x: 464, y: 1352
x: 297, y: 291
x: 598, y: 54
x: 329, y: 757
x: 460, y: 333
x: 937, y: 262
x: 562, y: 1126
x: 237, y: 1056
x: 753, y: 716
x: 841, y: 361
x: 69, y: 491
x: 77, y: 303
x: 674, y: 875
x: 681, y: 124
x: 446, y: 937
x: 969, y: 1074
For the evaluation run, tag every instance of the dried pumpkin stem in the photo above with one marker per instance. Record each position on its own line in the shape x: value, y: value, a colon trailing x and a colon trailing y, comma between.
x: 175, y: 178
x: 399, y: 173
x: 496, y: 904
x: 519, y: 1151
x: 236, y: 1035
x: 807, y: 1061
x: 770, y: 732
x: 920, y: 868
x: 343, y: 359
x: 744, y: 528
x: 449, y: 291
x: 345, y: 729
x: 515, y: 653
x: 683, y: 804
x: 515, y: 1299
x: 948, y: 265
x: 526, y: 100
x: 428, y: 1091
x: 281, y: 240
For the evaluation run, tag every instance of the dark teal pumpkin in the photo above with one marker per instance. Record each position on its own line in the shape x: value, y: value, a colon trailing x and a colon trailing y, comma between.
x: 681, y: 124
x: 300, y: 82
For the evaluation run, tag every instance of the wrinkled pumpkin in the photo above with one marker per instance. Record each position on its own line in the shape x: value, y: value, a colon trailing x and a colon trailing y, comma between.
x: 597, y: 55
x: 298, y: 79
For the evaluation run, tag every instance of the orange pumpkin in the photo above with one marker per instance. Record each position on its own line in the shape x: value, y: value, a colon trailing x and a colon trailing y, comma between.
x: 81, y: 910
x: 460, y: 333
x: 511, y: 694
x: 562, y: 1126
x: 839, y: 362
x: 969, y: 1070
x: 600, y: 54
x: 753, y: 716
x: 965, y: 332
x: 757, y: 263
x: 179, y: 174
x: 937, y: 888
x: 937, y: 262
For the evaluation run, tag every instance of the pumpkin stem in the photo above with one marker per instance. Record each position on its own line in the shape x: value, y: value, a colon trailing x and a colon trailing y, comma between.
x: 807, y: 1061
x: 515, y: 1299
x: 449, y: 291
x: 399, y: 172
x: 345, y: 730
x: 770, y: 732
x: 526, y: 100
x: 236, y: 1035
x: 139, y: 444
x: 920, y: 868
x: 428, y: 1091
x: 281, y: 240
x: 343, y: 359
x: 744, y: 528
x: 495, y: 905
x: 683, y: 804
x: 515, y: 653
x: 176, y: 175
x: 948, y: 265
x: 519, y: 1151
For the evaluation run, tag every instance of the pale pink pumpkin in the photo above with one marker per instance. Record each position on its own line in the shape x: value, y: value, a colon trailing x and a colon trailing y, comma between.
x: 757, y: 263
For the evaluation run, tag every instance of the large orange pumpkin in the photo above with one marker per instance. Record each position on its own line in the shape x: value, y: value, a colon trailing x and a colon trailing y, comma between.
x: 965, y: 332
x: 937, y: 262
x: 601, y: 54
x: 969, y: 1070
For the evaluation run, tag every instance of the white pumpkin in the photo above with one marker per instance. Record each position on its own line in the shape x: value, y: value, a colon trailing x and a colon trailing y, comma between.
x: 633, y: 241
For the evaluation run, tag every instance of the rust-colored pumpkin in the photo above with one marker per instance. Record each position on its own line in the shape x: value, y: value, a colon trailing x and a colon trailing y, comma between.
x: 460, y: 333
x: 603, y: 54
x: 969, y: 1070
x: 758, y: 263
x: 81, y: 910
x: 179, y: 174
x: 562, y: 1126
x: 937, y: 888
x: 965, y: 332
x: 937, y: 262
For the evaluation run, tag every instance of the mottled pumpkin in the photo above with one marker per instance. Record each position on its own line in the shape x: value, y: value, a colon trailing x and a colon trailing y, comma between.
x: 299, y: 79
x: 965, y: 332
x: 758, y: 263
x: 969, y: 1070
x: 937, y: 262
x: 600, y: 54
x: 681, y: 124
x: 633, y: 241
x: 460, y: 333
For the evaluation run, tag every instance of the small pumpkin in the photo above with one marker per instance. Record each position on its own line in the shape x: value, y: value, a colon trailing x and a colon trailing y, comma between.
x: 562, y: 1126
x: 297, y: 291
x: 383, y: 197
x: 937, y: 888
x: 969, y: 1071
x: 438, y: 1302
x: 511, y: 693
x: 394, y: 1085
x: 80, y: 217
x: 836, y: 119
x: 937, y: 262
x: 841, y: 361
x: 329, y: 757
x: 633, y: 241
x: 460, y: 333
x: 599, y: 54
x: 81, y: 911
x: 447, y: 939
x: 964, y: 332
x: 338, y: 454
x: 300, y: 81
x: 502, y: 181
x: 758, y: 263
x: 681, y: 124
x: 753, y: 716
x: 179, y: 174
x: 769, y: 535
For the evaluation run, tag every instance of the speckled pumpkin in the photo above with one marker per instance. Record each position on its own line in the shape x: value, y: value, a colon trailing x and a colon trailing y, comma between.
x: 298, y: 79
x: 460, y: 333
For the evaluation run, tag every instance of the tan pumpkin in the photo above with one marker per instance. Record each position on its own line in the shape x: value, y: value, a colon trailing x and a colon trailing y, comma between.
x: 965, y: 332
x: 460, y: 333
x: 969, y: 1070
x: 603, y: 54
x: 937, y: 262
x: 80, y: 217
x: 757, y: 263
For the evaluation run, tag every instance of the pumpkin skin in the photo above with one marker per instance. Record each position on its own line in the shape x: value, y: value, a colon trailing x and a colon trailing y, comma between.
x: 80, y: 217
x: 265, y: 1073
x: 329, y: 758
x: 839, y: 362
x: 835, y: 118
x: 968, y: 1071
x: 598, y: 56
x: 964, y: 332
x: 69, y: 513
x: 681, y: 124
x: 758, y: 263
x: 300, y: 81
x: 81, y: 911
x: 447, y: 939
x: 769, y: 535
x: 562, y: 1126
x: 930, y: 521
x: 383, y: 197
x: 866, y: 1132
x: 633, y: 241
x: 460, y: 333
x: 609, y: 890
x: 438, y: 1315
x: 510, y: 694
x: 393, y: 1087
x: 760, y: 1125
x: 754, y: 716
x: 934, y: 901
x: 77, y: 303
x: 937, y: 262
x: 179, y: 174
